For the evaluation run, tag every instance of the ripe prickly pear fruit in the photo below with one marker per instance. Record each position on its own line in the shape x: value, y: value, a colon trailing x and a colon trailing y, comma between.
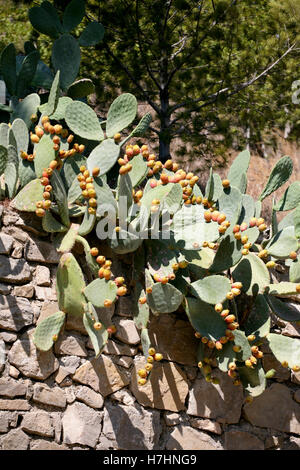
x: 285, y: 364
x: 262, y: 227
x: 218, y: 308
x: 143, y: 300
x: 235, y: 291
x: 94, y: 251
x: 100, y: 259
x: 183, y: 264
x: 270, y: 264
x: 158, y: 356
x: 142, y: 382
x: 200, y: 364
x: 243, y: 227
x: 148, y: 367
x: 40, y: 212
x: 54, y: 338
x: 164, y: 178
x: 96, y: 171
x: 207, y: 216
x: 221, y: 219
x: 293, y: 255
x: 142, y: 373
x: 226, y: 183
x: 150, y: 359
x: 97, y: 325
x: 252, y: 222
x: 245, y: 251
x: 107, y: 303
x: 151, y: 351
x: 111, y: 329
x: 121, y: 291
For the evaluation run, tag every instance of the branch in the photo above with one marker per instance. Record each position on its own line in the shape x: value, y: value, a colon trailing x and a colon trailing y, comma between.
x: 212, y: 98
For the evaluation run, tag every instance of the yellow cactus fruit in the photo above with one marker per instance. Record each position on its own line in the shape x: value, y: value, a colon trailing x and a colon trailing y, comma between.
x: 151, y: 351
x: 97, y: 325
x: 107, y: 303
x: 150, y: 359
x: 218, y: 308
x: 158, y: 356
x: 142, y: 382
x: 94, y: 251
x: 148, y: 367
x: 225, y: 183
x: 270, y: 264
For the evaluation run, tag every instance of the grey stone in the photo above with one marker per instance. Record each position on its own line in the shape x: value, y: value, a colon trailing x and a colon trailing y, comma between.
x: 166, y: 388
x: 15, y: 313
x: 4, y: 423
x: 222, y: 402
x: 24, y: 291
x: 70, y: 363
x: 270, y: 362
x: 48, y: 308
x: 6, y: 243
x: 15, y: 440
x: 206, y: 425
x: 41, y: 444
x: 15, y: 271
x: 17, y: 252
x: 129, y: 428
x: 89, y: 397
x: 42, y: 393
x: 71, y: 344
x: 81, y: 425
x: 123, y: 396
x: 13, y: 372
x: 276, y: 409
x: 41, y: 252
x: 42, y: 276
x: 297, y: 396
x: 174, y: 338
x: 171, y: 419
x: 102, y: 375
x: 125, y: 307
x: 16, y: 404
x: 112, y: 347
x: 183, y: 437
x: 12, y: 388
x: 8, y: 337
x: 45, y: 293
x: 38, y: 422
x: 240, y: 440
x: 5, y: 289
x: 30, y: 361
x: 124, y: 361
x: 126, y: 331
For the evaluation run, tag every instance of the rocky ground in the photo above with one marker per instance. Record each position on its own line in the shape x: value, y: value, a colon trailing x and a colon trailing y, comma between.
x: 66, y: 399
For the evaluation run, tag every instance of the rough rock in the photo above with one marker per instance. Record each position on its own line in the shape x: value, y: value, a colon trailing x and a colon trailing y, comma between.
x: 81, y: 425
x: 240, y: 440
x: 74, y: 322
x: 17, y: 250
x: 48, y: 308
x: 206, y: 425
x: 41, y: 444
x: 183, y: 437
x: 45, y: 293
x: 4, y: 423
x: 5, y: 289
x: 129, y: 428
x: 126, y: 331
x: 15, y: 440
x: 30, y: 361
x: 70, y: 344
x: 297, y: 396
x: 15, y: 313
x: 172, y: 419
x: 222, y: 402
x: 15, y: 271
x: 124, y: 361
x: 41, y: 252
x: 174, y: 338
x: 89, y: 397
x: 13, y: 372
x: 165, y: 389
x: 125, y: 307
x: 8, y: 337
x: 270, y: 362
x: 123, y: 396
x: 42, y: 276
x: 6, y: 243
x: 42, y: 393
x: 38, y: 422
x: 295, y: 377
x: 12, y: 388
x: 112, y: 347
x: 276, y: 409
x: 24, y: 291
x: 17, y: 404
x: 102, y: 375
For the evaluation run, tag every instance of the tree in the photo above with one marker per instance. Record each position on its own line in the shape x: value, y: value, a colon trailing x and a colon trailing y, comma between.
x: 205, y: 67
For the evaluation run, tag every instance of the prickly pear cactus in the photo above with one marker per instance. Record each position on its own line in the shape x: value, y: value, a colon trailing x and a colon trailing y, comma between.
x: 209, y: 254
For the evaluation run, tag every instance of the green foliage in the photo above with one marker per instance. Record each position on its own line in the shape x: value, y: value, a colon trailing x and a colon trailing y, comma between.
x: 198, y: 261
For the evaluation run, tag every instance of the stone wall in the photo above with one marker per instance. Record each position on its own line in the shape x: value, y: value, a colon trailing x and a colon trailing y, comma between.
x: 66, y: 399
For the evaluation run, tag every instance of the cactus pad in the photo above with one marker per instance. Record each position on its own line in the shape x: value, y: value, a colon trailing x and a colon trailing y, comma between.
x: 47, y: 330
x: 83, y: 121
x: 121, y: 113
x: 100, y: 290
x: 70, y: 285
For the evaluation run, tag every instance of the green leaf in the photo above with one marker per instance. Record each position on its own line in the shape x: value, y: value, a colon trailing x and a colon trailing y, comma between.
x: 66, y: 58
x: 60, y: 197
x: 239, y: 167
x: 247, y: 209
x: 81, y: 88
x: 230, y: 203
x: 225, y: 356
x: 145, y: 340
x: 241, y: 340
x: 28, y: 196
x: 92, y: 34
x: 98, y: 337
x: 283, y: 243
x: 8, y: 68
x: 21, y: 135
x: 46, y: 329
x: 83, y: 121
x: 253, y: 380
x: 54, y: 96
x: 285, y: 349
x: 214, y: 187
x: 104, y: 156
x: 294, y: 273
x: 142, y: 126
x: 279, y: 175
x: 100, y: 290
x: 139, y: 170
x: 70, y: 286
x: 164, y: 298
x: 27, y: 73
x: 283, y: 309
x: 290, y: 199
x: 297, y: 221
x: 228, y: 254
x: 258, y: 322
x: 26, y: 108
x: 44, y: 154
x: 71, y: 169
x: 204, y: 318
x: 60, y: 110
x: 51, y: 225
x: 121, y: 113
x: 253, y: 274
x: 3, y: 159
x: 73, y: 15
x: 87, y: 224
x: 211, y: 289
x: 43, y: 21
